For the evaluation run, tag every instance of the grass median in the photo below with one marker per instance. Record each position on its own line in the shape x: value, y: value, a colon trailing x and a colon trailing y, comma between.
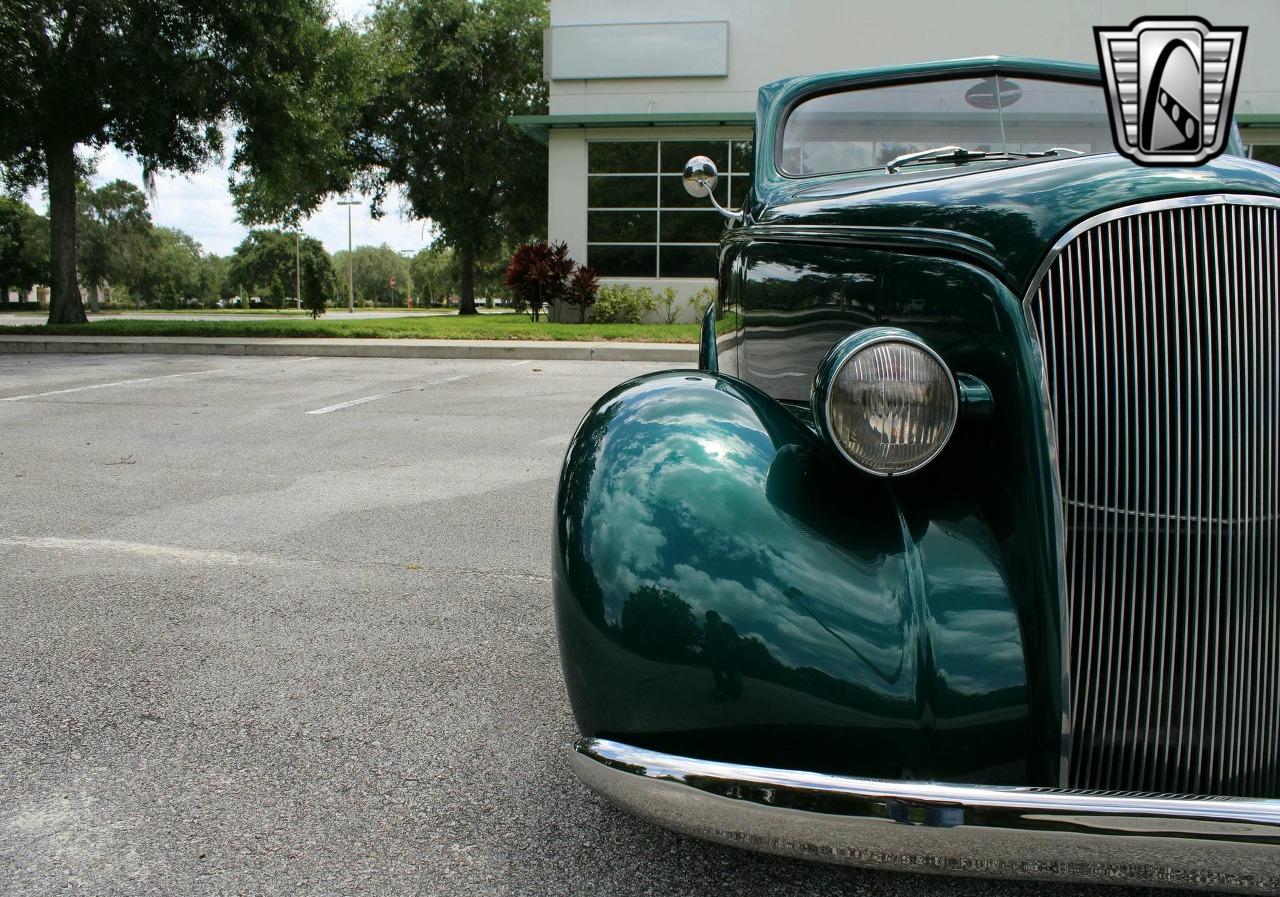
x: 471, y: 327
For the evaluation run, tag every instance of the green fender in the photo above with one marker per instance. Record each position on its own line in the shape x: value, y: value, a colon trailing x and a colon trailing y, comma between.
x: 727, y: 588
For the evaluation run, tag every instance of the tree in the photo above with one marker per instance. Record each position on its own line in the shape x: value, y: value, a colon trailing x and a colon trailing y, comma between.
x: 275, y: 292
x: 159, y: 80
x: 269, y: 256
x: 659, y: 624
x: 315, y: 290
x: 319, y: 279
x: 538, y: 276
x: 114, y: 228
x: 583, y: 289
x: 262, y: 256
x: 433, y: 273
x: 373, y: 268
x: 170, y: 270
x: 454, y: 71
x: 491, y: 269
x: 212, y: 282
x: 24, y: 247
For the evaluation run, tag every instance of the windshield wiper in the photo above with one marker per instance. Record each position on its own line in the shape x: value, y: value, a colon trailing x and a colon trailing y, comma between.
x: 959, y: 154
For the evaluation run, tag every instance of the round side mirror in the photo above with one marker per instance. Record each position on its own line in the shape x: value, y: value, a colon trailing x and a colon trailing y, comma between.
x: 700, y: 176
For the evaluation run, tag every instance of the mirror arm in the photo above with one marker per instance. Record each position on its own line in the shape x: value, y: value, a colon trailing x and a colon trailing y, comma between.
x: 734, y: 215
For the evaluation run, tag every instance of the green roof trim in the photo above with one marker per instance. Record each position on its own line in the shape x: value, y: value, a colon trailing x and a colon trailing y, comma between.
x: 1258, y: 120
x: 538, y: 126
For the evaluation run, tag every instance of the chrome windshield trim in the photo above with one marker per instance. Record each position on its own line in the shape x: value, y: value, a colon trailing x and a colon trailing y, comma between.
x: 987, y: 830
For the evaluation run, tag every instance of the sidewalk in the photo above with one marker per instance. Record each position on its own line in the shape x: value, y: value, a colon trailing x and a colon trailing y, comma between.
x: 548, y: 350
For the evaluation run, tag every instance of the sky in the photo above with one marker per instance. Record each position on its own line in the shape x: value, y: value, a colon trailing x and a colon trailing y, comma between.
x: 201, y: 204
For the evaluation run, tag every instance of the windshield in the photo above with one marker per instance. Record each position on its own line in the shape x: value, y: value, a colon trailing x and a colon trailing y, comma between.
x: 858, y: 130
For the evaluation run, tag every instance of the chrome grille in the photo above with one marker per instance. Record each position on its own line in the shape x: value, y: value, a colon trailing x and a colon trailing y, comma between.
x: 1160, y: 335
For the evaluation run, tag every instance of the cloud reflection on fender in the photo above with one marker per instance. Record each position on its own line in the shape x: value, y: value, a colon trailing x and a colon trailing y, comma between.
x: 681, y: 505
x: 717, y: 567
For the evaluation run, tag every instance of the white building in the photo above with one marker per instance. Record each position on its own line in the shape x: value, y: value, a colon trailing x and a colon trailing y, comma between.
x: 636, y: 88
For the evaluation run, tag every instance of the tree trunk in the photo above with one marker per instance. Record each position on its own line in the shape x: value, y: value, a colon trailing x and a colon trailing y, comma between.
x: 95, y: 297
x: 467, y: 280
x: 65, y: 305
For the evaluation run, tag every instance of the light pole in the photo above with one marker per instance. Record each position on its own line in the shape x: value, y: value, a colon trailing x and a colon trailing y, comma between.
x: 351, y: 278
x: 409, y: 254
x: 297, y: 267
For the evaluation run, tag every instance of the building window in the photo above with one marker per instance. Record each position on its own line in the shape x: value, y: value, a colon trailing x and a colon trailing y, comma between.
x: 640, y: 220
x: 1265, y: 152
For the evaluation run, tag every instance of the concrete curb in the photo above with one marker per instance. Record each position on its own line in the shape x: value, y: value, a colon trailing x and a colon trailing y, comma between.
x: 355, y: 348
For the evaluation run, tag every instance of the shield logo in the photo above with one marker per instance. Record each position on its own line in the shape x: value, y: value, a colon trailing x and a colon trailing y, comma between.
x: 1171, y: 87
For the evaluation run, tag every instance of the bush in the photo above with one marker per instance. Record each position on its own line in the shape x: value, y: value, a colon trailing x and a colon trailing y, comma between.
x: 583, y: 290
x: 700, y: 300
x: 313, y: 302
x: 538, y: 276
x: 619, y: 303
x: 672, y: 311
x: 118, y: 296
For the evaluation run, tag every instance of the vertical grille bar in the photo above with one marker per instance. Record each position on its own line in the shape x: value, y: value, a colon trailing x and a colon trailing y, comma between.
x: 1159, y: 330
x: 1271, y: 617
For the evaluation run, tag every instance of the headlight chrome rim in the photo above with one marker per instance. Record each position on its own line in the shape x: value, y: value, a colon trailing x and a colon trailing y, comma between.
x: 835, y: 361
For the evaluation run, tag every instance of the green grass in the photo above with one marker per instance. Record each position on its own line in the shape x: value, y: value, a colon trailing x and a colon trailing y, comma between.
x: 292, y: 312
x: 496, y: 327
x: 265, y: 312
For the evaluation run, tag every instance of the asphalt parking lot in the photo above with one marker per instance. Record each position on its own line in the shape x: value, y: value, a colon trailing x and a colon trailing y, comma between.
x: 277, y: 626
x: 10, y: 318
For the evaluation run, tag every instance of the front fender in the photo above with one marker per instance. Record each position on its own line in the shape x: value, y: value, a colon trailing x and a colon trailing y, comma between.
x: 726, y: 588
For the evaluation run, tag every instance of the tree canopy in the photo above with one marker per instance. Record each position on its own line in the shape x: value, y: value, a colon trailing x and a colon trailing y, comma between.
x: 433, y: 274
x: 453, y: 71
x: 270, y: 262
x: 24, y: 247
x: 161, y: 80
x: 170, y: 276
x: 373, y: 268
x: 114, y: 232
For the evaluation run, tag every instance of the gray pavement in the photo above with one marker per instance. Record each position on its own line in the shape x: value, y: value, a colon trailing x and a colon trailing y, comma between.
x: 38, y: 317
x: 278, y: 626
x: 560, y: 350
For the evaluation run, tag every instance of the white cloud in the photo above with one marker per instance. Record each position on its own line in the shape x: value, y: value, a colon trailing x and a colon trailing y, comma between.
x: 351, y: 10
x: 200, y: 204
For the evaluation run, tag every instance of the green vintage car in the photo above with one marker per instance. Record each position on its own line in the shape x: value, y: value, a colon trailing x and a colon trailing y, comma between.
x: 958, y: 552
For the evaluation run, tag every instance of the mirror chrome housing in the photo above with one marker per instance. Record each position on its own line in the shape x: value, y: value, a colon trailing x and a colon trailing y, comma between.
x: 700, y: 179
x: 700, y: 176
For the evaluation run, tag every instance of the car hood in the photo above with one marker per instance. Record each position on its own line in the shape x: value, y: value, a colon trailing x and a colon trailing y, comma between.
x: 1012, y: 213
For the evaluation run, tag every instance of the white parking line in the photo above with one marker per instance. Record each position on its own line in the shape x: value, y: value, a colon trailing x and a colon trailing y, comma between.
x: 395, y: 392
x: 139, y: 549
x: 382, y: 395
x: 62, y: 392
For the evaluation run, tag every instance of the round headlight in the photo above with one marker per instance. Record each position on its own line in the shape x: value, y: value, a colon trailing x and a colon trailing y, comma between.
x: 885, y: 401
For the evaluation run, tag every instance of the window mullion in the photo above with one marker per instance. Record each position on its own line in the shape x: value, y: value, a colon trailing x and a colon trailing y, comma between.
x: 657, y: 204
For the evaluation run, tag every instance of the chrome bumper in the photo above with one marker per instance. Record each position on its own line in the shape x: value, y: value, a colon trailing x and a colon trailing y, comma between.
x: 996, y: 831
